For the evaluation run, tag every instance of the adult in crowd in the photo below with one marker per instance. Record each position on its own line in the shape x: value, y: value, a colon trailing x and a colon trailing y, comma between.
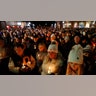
x: 30, y: 38
x: 41, y: 53
x: 88, y: 60
x: 53, y: 61
x: 34, y: 45
x: 66, y: 47
x: 21, y: 61
x: 75, y: 58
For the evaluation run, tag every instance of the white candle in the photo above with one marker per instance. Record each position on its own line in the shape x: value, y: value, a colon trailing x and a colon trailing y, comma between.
x: 34, y: 46
x: 23, y: 66
x: 49, y: 70
x: 38, y: 55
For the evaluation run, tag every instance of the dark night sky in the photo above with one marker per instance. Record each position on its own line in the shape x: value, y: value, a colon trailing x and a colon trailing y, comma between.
x: 42, y: 23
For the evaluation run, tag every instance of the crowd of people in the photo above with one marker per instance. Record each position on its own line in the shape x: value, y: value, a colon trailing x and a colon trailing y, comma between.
x: 47, y: 51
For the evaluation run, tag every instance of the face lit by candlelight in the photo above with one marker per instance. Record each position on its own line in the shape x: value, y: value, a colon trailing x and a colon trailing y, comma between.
x: 42, y: 47
x: 52, y: 55
x: 19, y: 51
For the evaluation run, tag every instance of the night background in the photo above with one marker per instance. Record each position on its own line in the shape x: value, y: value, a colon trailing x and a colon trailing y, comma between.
x: 43, y: 23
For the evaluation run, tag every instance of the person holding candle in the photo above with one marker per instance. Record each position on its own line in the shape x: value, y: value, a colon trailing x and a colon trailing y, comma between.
x: 53, y: 61
x: 41, y: 53
x: 21, y: 61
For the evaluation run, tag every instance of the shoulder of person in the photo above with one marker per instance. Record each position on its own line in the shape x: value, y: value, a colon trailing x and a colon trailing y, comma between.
x: 78, y: 46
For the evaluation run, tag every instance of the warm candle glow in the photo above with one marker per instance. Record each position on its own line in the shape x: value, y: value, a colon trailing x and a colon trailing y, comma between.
x: 94, y: 45
x: 23, y: 66
x: 29, y: 62
x: 38, y: 55
x: 49, y: 70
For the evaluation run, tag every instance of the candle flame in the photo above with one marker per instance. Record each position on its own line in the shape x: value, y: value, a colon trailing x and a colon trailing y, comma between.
x: 49, y: 70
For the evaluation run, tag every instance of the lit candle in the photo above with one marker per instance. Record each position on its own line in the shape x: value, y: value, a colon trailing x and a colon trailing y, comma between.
x: 34, y: 46
x: 23, y: 66
x: 29, y: 62
x: 38, y: 55
x: 49, y: 70
x: 93, y: 45
x: 67, y: 34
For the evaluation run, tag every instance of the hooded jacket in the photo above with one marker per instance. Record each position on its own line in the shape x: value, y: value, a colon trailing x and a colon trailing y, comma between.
x: 76, y: 54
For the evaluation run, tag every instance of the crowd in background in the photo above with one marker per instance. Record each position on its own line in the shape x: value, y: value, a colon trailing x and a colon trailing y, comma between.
x: 48, y: 51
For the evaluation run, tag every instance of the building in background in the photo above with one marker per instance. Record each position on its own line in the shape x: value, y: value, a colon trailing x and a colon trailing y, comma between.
x: 56, y: 24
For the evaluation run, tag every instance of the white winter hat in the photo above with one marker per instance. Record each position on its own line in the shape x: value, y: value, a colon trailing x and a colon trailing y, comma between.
x: 53, y: 35
x: 87, y: 48
x: 76, y: 54
x: 66, y: 38
x: 53, y: 48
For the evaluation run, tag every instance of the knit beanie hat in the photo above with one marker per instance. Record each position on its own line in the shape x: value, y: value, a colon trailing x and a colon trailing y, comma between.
x: 87, y: 48
x: 66, y: 38
x: 53, y: 35
x: 76, y: 54
x: 53, y: 48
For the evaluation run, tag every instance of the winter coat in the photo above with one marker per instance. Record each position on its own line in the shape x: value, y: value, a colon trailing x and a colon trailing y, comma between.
x: 76, y: 54
x: 51, y: 66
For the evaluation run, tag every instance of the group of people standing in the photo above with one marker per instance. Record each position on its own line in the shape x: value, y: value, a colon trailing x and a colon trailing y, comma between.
x: 44, y: 51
